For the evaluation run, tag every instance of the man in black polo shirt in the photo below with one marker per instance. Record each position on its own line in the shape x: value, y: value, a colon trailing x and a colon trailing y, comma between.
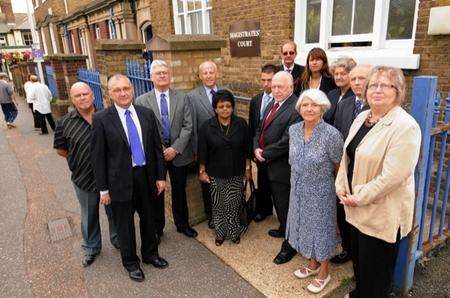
x: 72, y: 141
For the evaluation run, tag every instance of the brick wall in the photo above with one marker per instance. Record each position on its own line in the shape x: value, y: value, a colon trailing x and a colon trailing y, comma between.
x: 161, y: 17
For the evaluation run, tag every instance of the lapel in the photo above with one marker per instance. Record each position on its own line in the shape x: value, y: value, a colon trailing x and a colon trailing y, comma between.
x: 173, y: 105
x: 204, y: 100
x: 280, y: 110
x: 115, y: 120
x: 153, y: 104
x: 144, y: 126
x: 233, y: 128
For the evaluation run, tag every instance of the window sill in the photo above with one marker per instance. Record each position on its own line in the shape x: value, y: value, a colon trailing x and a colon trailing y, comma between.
x: 400, y: 58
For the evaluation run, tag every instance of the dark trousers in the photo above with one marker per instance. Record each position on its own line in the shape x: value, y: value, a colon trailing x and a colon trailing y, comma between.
x: 180, y: 211
x: 344, y: 228
x: 42, y: 124
x: 160, y: 213
x: 373, y: 264
x: 123, y: 213
x: 9, y: 111
x: 35, y: 120
x: 206, y: 194
x: 264, y: 204
x: 280, y: 194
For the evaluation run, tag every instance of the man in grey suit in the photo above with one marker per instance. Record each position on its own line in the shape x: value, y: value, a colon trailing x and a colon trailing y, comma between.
x: 200, y: 100
x: 175, y: 129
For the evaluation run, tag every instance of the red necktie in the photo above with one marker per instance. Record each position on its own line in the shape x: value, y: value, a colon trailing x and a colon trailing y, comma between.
x: 266, y: 123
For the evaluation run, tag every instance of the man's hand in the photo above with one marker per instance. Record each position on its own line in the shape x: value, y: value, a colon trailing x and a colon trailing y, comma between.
x: 258, y: 155
x: 105, y: 199
x: 169, y: 153
x: 203, y: 177
x: 160, y: 186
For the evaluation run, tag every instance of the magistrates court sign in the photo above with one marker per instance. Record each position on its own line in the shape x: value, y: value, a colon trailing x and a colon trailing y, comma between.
x: 245, y: 39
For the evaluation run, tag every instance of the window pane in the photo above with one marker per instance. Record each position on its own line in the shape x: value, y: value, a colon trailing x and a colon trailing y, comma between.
x: 342, y: 17
x: 191, y: 5
x: 401, y: 19
x: 208, y: 3
x: 194, y: 23
x: 198, y: 4
x: 312, y: 21
x: 363, y: 22
x: 180, y: 6
x: 209, y: 20
x: 183, y: 28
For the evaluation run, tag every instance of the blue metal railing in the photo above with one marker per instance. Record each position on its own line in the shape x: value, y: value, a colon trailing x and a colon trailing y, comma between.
x: 139, y: 75
x: 92, y: 78
x: 426, y: 110
x: 51, y: 82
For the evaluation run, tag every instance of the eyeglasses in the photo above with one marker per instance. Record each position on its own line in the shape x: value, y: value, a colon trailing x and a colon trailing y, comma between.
x: 288, y: 53
x: 161, y: 73
x: 383, y: 87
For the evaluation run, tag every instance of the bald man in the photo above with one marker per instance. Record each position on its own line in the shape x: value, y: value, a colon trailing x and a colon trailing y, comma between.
x: 200, y: 99
x: 272, y: 147
x: 72, y: 141
x: 346, y: 111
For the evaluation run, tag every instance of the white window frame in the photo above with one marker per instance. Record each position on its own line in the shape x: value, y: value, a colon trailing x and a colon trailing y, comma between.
x: 396, y: 53
x: 187, y: 24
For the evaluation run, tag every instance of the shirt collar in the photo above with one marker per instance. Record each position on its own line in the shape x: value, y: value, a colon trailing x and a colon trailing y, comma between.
x: 158, y: 93
x: 265, y: 95
x: 288, y: 68
x: 208, y: 89
x: 121, y: 110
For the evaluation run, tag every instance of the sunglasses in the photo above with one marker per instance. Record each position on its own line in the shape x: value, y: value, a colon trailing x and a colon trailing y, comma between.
x: 288, y: 53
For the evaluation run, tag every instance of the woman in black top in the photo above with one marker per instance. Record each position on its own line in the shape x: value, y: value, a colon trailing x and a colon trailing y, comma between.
x: 224, y: 156
x: 316, y: 74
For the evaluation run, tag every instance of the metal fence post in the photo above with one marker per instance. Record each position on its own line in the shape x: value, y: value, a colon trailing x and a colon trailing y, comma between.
x: 422, y: 109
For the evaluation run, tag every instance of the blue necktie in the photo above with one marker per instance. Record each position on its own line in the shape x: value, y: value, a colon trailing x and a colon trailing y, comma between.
x: 137, y: 154
x: 358, y: 108
x: 267, y: 98
x: 212, y: 95
x: 165, y: 118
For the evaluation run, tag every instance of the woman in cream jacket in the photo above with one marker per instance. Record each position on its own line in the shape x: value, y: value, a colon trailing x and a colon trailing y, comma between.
x: 375, y: 181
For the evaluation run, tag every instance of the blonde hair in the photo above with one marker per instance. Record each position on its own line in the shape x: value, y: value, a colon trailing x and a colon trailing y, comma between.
x: 395, y: 75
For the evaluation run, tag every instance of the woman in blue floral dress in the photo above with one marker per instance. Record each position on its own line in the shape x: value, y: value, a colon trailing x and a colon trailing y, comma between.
x: 315, y: 150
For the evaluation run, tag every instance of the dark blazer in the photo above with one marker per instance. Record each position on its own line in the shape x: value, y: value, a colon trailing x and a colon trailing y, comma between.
x: 224, y: 155
x: 296, y: 71
x: 254, y: 115
x: 326, y: 85
x: 333, y: 97
x: 344, y: 116
x: 276, y: 139
x: 111, y: 153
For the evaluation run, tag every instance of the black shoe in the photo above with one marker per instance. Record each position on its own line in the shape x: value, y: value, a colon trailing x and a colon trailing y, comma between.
x: 276, y: 233
x: 210, y: 224
x: 190, y: 232
x: 341, y: 258
x: 137, y: 275
x: 259, y: 217
x: 157, y: 262
x: 88, y: 259
x: 283, y: 257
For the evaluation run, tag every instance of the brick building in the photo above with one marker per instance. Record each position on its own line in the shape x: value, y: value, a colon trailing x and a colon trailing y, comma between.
x: 374, y: 31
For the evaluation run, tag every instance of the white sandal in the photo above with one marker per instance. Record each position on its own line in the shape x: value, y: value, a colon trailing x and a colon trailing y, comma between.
x: 322, y: 282
x: 309, y: 272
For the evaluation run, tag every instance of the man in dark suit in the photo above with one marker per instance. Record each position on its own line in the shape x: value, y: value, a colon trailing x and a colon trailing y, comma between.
x: 271, y: 145
x: 258, y: 105
x: 129, y: 172
x: 200, y: 99
x: 288, y: 54
x: 346, y: 111
x: 175, y: 129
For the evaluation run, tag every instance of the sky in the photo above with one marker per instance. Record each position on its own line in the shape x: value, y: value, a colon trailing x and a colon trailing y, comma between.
x: 19, y: 6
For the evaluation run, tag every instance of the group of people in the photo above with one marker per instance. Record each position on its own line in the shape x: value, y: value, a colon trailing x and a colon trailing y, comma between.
x: 334, y: 150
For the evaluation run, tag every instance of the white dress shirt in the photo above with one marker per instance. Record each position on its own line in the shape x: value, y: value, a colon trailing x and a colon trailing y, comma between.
x: 135, y: 118
x: 264, y: 103
x: 158, y: 100
x: 40, y: 96
x: 208, y: 92
x: 27, y: 87
x: 289, y: 69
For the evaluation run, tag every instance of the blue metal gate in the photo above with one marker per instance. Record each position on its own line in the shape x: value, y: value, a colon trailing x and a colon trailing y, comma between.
x: 92, y: 78
x: 139, y: 75
x: 431, y: 225
x: 51, y: 82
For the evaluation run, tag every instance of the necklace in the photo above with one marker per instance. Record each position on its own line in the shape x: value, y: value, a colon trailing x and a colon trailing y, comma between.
x: 223, y: 129
x: 369, y: 122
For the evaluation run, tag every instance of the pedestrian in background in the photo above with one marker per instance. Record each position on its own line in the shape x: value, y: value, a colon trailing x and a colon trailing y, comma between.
x: 72, y: 141
x: 27, y: 87
x: 7, y: 101
x: 41, y: 97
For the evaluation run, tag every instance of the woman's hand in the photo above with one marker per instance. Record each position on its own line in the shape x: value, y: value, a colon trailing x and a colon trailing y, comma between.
x: 248, y: 174
x: 349, y: 200
x: 203, y: 177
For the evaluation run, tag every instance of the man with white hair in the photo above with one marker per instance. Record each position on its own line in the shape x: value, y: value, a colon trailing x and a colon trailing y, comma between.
x: 72, y: 141
x: 272, y: 147
x: 175, y: 128
x: 41, y: 97
x: 200, y: 100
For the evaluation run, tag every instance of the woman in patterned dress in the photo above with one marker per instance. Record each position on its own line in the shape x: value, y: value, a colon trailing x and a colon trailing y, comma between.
x: 315, y: 150
x: 224, y: 156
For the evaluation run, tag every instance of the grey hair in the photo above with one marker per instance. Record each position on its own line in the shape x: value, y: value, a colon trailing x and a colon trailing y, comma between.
x: 206, y: 63
x: 116, y: 77
x: 80, y: 84
x: 317, y: 96
x: 156, y: 63
x: 284, y: 74
x: 394, y: 74
x: 346, y: 62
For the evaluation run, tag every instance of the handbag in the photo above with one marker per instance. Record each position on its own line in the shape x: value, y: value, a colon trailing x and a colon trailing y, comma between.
x: 248, y: 206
